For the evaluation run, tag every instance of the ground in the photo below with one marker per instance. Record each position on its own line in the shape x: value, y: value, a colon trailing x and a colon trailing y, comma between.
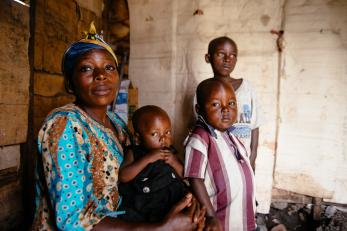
x: 299, y: 217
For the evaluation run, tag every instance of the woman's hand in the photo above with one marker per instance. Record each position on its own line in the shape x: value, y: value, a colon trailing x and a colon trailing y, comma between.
x: 185, y: 215
x: 213, y: 224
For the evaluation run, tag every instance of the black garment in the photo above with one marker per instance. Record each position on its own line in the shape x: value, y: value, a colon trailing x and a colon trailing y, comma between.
x: 152, y: 193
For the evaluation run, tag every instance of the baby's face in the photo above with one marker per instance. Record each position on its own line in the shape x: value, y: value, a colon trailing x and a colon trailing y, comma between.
x: 220, y: 108
x: 156, y: 134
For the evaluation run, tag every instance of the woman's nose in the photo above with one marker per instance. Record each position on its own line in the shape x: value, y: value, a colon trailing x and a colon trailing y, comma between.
x: 99, y: 74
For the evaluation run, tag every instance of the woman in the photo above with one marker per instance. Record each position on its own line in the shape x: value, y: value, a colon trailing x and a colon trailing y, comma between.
x: 81, y: 147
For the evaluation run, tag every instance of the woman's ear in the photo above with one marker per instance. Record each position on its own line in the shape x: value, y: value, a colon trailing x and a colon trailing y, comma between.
x: 207, y: 58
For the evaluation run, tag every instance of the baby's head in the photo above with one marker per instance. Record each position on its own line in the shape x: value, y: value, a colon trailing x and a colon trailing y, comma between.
x: 216, y: 103
x: 152, y: 127
x: 222, y: 55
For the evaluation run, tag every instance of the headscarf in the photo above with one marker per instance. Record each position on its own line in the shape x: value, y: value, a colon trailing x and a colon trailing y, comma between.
x: 91, y: 41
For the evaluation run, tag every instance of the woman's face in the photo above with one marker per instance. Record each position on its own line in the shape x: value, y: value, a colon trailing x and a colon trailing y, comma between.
x: 95, y: 78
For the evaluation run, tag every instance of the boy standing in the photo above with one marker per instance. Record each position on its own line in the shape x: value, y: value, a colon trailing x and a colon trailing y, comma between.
x: 216, y: 162
x: 222, y: 55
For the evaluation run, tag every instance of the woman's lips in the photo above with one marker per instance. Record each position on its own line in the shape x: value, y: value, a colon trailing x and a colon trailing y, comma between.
x: 101, y: 90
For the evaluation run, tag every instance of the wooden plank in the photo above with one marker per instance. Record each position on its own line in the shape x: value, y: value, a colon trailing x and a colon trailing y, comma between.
x: 11, y: 210
x: 13, y: 124
x: 14, y: 72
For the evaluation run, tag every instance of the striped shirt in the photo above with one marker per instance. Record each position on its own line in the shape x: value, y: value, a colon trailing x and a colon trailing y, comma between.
x: 221, y: 160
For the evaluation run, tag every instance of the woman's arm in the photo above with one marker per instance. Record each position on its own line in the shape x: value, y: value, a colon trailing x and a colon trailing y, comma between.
x: 175, y: 221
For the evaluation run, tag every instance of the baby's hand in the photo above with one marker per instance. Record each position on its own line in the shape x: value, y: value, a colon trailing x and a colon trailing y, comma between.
x: 212, y: 224
x: 155, y: 155
x: 170, y: 158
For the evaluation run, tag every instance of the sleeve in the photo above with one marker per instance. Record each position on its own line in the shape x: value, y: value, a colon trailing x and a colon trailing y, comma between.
x: 196, y: 158
x: 65, y: 150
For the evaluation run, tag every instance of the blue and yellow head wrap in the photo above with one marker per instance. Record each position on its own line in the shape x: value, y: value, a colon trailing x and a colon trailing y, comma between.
x: 91, y: 41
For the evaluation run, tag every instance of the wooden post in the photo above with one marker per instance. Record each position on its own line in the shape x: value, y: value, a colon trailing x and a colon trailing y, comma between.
x: 316, y: 210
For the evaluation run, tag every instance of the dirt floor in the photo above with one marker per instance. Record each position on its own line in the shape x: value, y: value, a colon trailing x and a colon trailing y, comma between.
x: 299, y: 217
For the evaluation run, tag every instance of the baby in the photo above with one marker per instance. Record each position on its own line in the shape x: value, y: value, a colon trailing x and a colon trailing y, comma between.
x: 216, y: 162
x: 151, y: 173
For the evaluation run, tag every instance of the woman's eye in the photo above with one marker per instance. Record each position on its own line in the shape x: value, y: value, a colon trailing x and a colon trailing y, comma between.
x: 110, y: 67
x: 85, y: 68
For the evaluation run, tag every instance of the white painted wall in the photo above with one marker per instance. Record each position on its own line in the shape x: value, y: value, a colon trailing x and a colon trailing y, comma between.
x: 312, y: 154
x: 168, y: 44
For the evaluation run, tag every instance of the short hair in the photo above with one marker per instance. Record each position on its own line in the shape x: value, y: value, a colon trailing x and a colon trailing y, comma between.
x: 216, y: 41
x: 205, y: 87
x: 140, y: 115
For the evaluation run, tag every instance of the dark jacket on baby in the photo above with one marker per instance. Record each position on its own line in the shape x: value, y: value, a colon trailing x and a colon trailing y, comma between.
x: 152, y: 193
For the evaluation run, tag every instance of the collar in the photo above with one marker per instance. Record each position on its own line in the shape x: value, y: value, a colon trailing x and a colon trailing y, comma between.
x: 201, y: 122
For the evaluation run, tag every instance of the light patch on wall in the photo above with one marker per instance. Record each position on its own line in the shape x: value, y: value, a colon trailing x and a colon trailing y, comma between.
x: 9, y: 156
x: 24, y: 3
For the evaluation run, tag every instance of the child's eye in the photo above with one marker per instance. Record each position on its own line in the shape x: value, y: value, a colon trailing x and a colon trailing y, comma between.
x: 220, y: 55
x: 168, y: 132
x: 155, y: 134
x: 232, y: 103
x: 215, y: 104
x: 110, y: 67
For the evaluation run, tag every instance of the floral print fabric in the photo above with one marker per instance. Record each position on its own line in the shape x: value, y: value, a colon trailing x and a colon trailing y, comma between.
x: 77, y: 170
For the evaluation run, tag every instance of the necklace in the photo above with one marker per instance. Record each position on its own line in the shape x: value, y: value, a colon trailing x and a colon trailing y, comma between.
x: 106, y: 122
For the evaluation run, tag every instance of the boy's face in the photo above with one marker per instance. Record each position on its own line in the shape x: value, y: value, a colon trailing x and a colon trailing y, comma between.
x: 220, y: 108
x: 223, y: 59
x: 156, y: 133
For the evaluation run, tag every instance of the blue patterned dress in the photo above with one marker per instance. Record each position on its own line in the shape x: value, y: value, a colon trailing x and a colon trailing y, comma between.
x: 77, y: 170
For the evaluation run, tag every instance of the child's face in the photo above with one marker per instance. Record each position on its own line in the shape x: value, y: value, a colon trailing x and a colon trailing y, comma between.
x: 223, y: 59
x: 220, y: 108
x: 156, y: 134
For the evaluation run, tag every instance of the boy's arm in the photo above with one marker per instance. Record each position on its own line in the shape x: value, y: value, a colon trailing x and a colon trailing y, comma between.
x: 254, y: 147
x: 131, y: 168
x: 199, y: 189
